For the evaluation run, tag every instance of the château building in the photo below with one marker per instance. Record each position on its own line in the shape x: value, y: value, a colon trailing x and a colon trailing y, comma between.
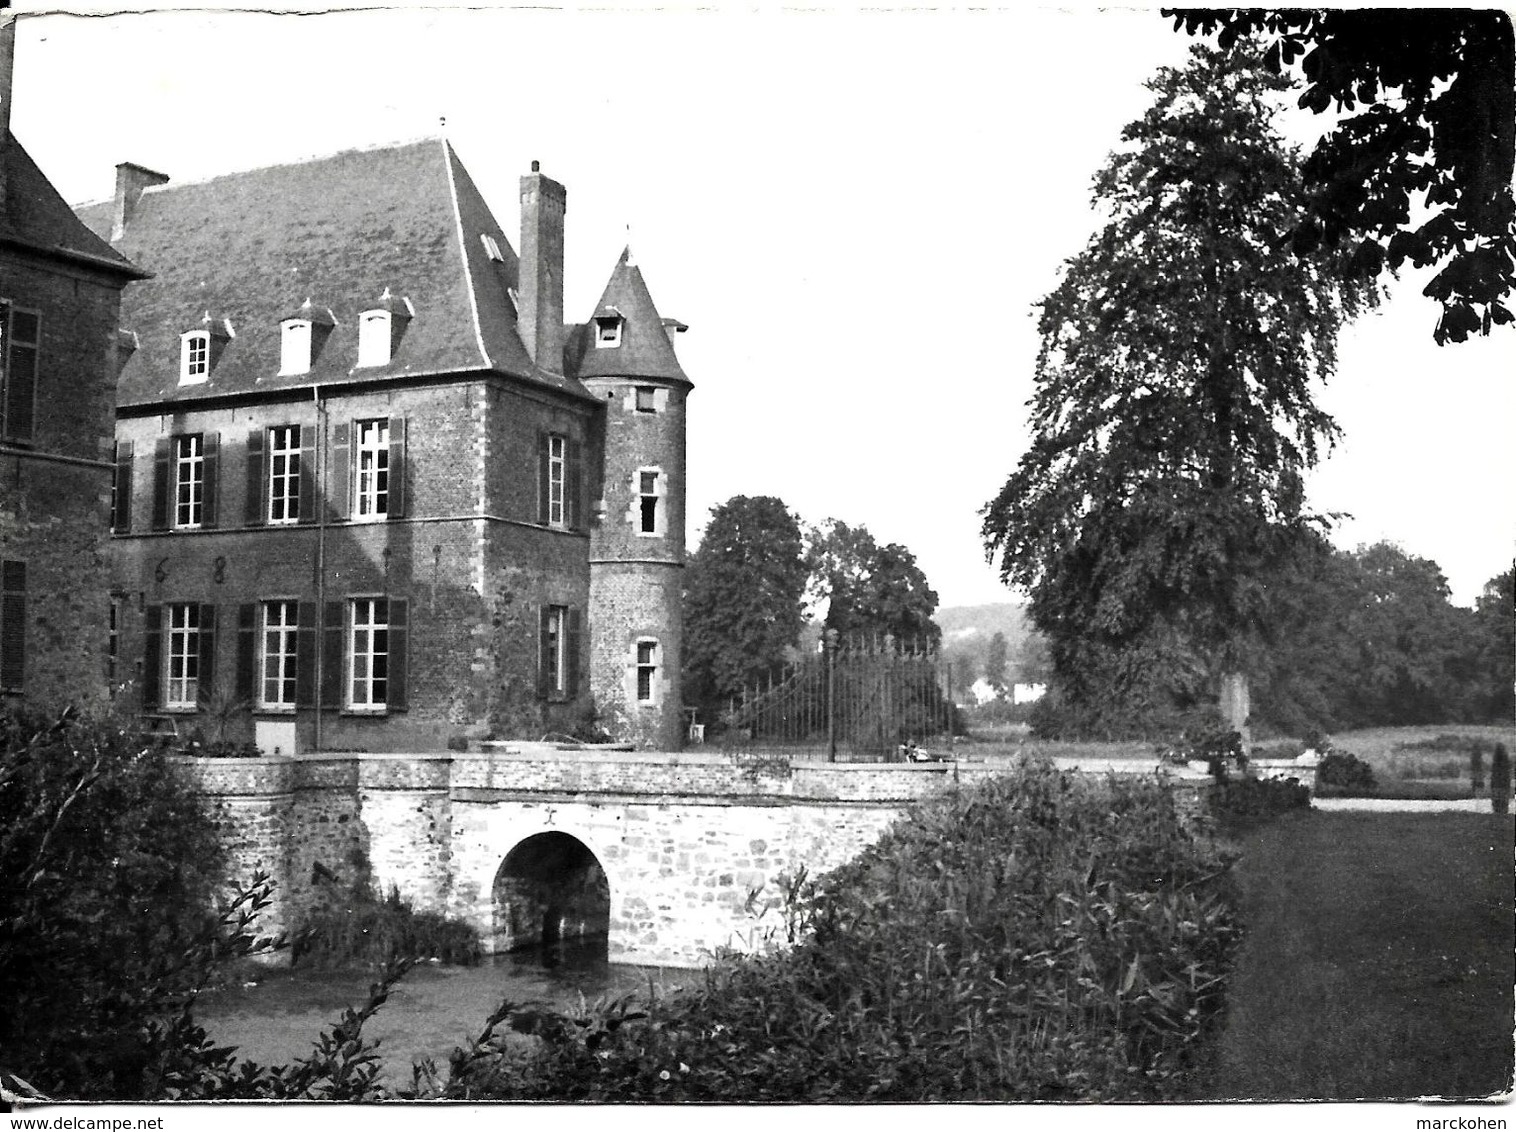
x: 371, y: 491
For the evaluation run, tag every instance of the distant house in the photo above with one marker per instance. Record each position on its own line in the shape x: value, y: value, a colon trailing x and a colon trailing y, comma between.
x: 60, y: 297
x: 1027, y: 693
x: 372, y: 491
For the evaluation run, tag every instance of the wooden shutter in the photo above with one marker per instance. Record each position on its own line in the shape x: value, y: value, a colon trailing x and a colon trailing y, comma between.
x: 305, y: 654
x: 399, y: 642
x: 544, y: 652
x: 12, y: 626
x: 257, y: 480
x: 21, y: 337
x: 307, y: 474
x: 206, y: 646
x: 339, y: 475
x: 543, y: 476
x: 333, y: 654
x: 121, y: 489
x: 573, y: 476
x: 152, y: 659
x: 247, y: 653
x: 211, y: 449
x: 397, y: 468
x: 575, y: 638
x: 163, y: 452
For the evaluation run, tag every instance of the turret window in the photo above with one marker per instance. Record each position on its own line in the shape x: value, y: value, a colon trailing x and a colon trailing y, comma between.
x: 649, y: 505
x: 647, y: 672
x: 647, y: 399
x: 608, y: 331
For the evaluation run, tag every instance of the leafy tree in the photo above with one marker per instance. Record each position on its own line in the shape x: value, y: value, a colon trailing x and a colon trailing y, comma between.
x: 870, y: 590
x: 743, y: 597
x: 1174, y: 412
x: 1435, y: 124
x: 995, y: 661
x: 1494, y: 649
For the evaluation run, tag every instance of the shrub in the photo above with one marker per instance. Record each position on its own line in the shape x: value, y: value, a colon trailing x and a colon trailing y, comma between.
x: 109, y: 861
x: 1345, y: 770
x: 356, y: 927
x: 1037, y: 937
x: 1259, y: 797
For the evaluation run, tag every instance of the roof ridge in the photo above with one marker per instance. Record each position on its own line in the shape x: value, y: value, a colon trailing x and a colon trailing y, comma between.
x: 305, y: 159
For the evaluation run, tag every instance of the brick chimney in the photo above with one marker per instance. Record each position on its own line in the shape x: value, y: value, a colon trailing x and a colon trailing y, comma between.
x: 7, y: 69
x: 131, y: 180
x: 540, y: 309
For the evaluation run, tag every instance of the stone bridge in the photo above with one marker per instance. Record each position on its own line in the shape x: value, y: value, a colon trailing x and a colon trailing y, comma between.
x: 670, y: 856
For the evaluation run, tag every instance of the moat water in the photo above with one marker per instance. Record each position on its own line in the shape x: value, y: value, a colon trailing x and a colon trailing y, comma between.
x: 275, y: 1016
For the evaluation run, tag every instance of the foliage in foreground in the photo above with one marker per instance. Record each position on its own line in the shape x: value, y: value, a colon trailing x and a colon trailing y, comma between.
x: 108, y: 866
x: 1036, y: 937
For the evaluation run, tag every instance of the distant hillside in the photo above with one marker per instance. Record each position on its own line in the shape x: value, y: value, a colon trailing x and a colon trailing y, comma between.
x: 981, y: 622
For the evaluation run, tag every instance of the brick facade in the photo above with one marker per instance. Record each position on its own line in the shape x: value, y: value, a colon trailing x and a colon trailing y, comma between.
x: 506, y: 476
x: 60, y: 295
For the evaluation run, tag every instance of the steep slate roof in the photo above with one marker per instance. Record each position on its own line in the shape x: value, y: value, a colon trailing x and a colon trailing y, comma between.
x: 251, y: 247
x: 36, y: 217
x: 645, y: 349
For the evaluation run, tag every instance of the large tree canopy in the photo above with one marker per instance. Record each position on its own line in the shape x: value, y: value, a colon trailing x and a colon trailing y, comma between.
x: 743, y: 597
x: 870, y: 590
x: 1430, y: 121
x: 1174, y: 409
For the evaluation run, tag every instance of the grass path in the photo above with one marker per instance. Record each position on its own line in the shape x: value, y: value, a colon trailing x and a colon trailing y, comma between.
x: 1378, y: 961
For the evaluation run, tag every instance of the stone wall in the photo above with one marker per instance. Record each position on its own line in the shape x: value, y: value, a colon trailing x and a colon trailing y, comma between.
x: 696, y: 850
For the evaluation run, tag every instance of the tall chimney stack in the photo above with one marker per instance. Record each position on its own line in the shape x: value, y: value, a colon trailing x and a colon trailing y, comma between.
x: 131, y: 181
x: 540, y: 315
x: 7, y: 70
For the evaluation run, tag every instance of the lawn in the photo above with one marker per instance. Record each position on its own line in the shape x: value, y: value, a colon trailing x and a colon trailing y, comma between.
x: 1378, y: 960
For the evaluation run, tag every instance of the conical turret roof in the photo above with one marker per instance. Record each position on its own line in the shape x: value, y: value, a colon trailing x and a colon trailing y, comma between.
x: 645, y: 349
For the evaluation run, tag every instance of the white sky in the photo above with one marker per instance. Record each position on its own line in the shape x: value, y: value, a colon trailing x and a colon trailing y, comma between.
x: 853, y: 211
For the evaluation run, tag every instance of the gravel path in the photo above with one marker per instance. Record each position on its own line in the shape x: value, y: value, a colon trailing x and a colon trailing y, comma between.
x: 1405, y: 805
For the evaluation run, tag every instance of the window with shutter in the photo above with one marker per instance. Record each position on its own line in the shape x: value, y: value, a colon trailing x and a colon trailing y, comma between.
x: 20, y: 338
x: 277, y: 682
x: 284, y: 484
x: 12, y: 626
x: 181, y: 690
x: 121, y: 489
x: 369, y: 655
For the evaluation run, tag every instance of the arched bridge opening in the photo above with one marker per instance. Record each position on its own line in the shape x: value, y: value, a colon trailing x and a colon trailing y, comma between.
x: 550, y: 890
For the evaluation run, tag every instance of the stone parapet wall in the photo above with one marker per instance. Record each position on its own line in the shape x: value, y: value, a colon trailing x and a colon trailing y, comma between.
x: 697, y: 848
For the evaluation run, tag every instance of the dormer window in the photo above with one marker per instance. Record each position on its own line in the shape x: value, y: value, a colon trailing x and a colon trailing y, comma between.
x: 301, y: 337
x: 200, y: 350
x: 608, y: 329
x: 294, y: 346
x: 379, y: 330
x: 491, y: 247
x: 195, y: 357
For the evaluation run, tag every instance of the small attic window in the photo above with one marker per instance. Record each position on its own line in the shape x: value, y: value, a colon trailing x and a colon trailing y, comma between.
x: 195, y: 357
x: 491, y: 247
x: 379, y: 330
x: 607, y: 331
x: 294, y: 346
x: 301, y: 337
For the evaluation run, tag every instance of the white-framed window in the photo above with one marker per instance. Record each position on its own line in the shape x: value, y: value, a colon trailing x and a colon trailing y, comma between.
x: 295, y: 339
x: 607, y: 333
x: 189, y: 481
x: 374, y: 340
x: 276, y: 687
x: 284, y: 474
x: 647, y: 399
x: 369, y: 654
x: 194, y: 357
x: 182, y: 688
x: 649, y: 502
x: 557, y: 478
x: 372, y: 465
x: 555, y: 653
x: 647, y: 672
